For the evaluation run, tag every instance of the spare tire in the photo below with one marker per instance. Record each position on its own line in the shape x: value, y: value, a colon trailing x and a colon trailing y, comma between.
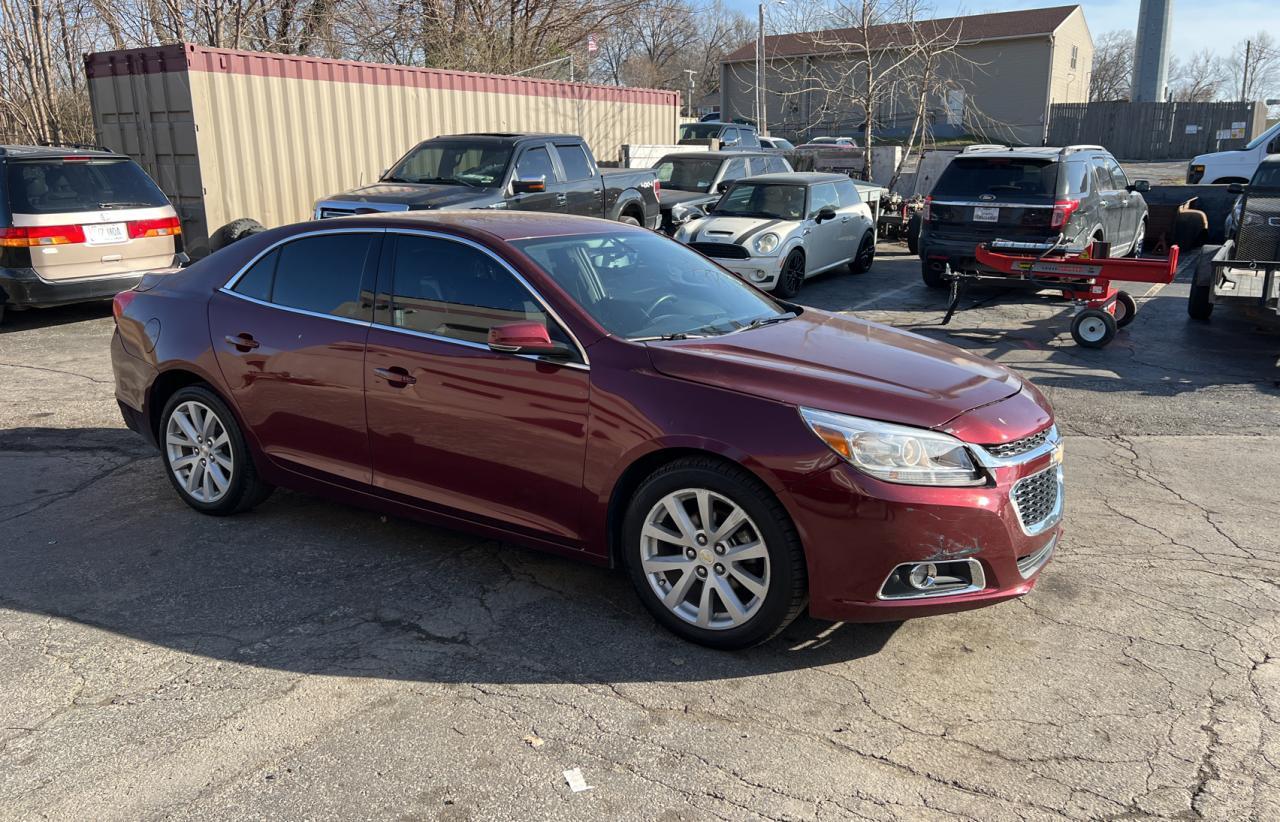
x: 233, y: 231
x: 1191, y: 230
x: 913, y: 233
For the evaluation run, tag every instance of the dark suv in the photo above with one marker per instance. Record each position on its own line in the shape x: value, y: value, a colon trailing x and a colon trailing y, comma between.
x: 1074, y: 195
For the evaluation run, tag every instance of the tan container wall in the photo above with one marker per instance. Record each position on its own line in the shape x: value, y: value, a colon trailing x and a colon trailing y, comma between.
x: 275, y: 133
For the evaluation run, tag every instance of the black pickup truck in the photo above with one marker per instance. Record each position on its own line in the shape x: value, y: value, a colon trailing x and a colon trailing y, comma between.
x: 528, y: 172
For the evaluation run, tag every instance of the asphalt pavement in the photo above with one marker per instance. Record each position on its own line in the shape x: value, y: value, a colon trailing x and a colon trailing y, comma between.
x: 308, y: 660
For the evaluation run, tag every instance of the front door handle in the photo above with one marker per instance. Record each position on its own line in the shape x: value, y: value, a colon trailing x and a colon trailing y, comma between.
x: 395, y: 376
x: 844, y: 219
x: 242, y: 341
x: 561, y: 197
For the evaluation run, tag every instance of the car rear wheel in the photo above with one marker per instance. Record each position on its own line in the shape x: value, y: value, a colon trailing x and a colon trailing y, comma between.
x: 792, y: 276
x: 627, y: 219
x: 866, y: 255
x: 205, y: 454
x: 713, y: 555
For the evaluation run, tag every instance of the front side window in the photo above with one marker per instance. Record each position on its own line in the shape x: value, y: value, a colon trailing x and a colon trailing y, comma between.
x: 76, y: 184
x: 450, y: 289
x: 735, y: 170
x: 771, y: 201
x: 1118, y: 178
x: 823, y: 196
x: 447, y: 162
x: 700, y: 131
x: 749, y: 138
x: 535, y: 164
x: 324, y: 274
x: 643, y: 285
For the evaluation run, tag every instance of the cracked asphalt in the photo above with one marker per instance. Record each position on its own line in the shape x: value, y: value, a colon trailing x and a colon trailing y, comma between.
x: 312, y: 661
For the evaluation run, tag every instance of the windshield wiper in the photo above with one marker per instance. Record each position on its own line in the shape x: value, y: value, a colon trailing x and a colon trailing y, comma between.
x: 448, y: 181
x: 394, y: 179
x: 768, y: 319
x: 125, y: 205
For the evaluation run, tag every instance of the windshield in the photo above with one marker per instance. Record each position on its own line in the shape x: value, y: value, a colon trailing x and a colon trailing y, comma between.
x: 700, y: 131
x: 774, y: 201
x: 1267, y: 176
x: 57, y: 186
x: 778, y: 142
x: 971, y: 177
x: 452, y: 163
x: 1274, y: 131
x: 646, y: 286
x: 687, y: 173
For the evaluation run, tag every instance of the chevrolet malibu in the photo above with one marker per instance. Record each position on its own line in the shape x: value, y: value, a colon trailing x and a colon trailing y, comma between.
x: 598, y: 391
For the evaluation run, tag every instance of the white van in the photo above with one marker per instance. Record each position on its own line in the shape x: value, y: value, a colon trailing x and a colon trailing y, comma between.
x: 1234, y: 166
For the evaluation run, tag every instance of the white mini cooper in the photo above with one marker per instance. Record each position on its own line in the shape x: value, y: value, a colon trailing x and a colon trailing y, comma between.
x: 774, y: 230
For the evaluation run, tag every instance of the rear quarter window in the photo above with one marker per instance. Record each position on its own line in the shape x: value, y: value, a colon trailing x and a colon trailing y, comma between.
x: 58, y: 186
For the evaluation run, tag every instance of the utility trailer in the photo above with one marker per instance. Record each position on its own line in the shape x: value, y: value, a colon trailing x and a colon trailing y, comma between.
x: 1246, y: 268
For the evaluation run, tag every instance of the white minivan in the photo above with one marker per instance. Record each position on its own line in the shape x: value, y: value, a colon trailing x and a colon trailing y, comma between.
x: 1234, y: 166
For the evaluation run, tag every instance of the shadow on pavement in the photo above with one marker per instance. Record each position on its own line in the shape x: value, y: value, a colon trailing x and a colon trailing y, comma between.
x: 34, y: 318
x: 305, y: 585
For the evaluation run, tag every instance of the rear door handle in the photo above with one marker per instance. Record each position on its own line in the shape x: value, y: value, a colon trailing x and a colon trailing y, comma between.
x: 242, y: 341
x: 395, y: 376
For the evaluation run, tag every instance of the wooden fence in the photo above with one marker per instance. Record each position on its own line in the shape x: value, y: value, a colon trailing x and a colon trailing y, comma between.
x: 1156, y: 131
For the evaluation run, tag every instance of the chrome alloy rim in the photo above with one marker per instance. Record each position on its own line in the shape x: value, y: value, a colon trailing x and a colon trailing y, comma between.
x: 705, y: 559
x: 199, y: 451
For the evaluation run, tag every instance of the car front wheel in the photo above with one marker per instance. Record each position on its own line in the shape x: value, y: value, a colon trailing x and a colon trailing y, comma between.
x: 205, y: 454
x: 713, y: 554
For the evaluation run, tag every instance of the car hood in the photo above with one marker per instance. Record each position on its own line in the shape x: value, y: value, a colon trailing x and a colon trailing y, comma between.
x: 413, y: 195
x: 838, y: 363
x: 733, y: 229
x: 672, y: 196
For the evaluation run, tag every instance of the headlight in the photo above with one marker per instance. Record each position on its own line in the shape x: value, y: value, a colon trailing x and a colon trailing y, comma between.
x: 766, y: 243
x: 896, y: 453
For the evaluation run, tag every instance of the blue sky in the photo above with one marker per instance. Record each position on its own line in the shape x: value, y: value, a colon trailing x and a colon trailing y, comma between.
x: 1197, y: 24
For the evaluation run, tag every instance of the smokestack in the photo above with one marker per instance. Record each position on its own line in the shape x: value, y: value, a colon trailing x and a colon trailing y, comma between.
x: 1151, y: 57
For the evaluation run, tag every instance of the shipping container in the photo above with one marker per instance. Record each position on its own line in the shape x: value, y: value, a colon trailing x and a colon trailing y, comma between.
x: 230, y: 134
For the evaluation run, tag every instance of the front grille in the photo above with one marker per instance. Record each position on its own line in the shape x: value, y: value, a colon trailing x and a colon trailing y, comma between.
x: 1005, y: 450
x: 1259, y: 234
x: 1036, y: 499
x: 722, y: 250
x: 325, y: 213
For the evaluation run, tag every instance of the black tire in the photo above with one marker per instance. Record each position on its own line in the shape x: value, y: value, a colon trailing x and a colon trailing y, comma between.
x: 913, y: 233
x: 627, y: 219
x: 234, y: 231
x: 792, y: 275
x: 245, y: 488
x: 1093, y: 328
x: 866, y: 255
x: 1126, y: 308
x: 786, y: 593
x: 1200, y: 299
x: 932, y: 276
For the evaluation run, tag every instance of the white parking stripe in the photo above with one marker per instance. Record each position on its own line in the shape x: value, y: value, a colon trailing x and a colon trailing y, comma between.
x: 879, y: 297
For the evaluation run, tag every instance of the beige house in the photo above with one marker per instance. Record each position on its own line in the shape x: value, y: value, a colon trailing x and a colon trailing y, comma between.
x: 997, y: 79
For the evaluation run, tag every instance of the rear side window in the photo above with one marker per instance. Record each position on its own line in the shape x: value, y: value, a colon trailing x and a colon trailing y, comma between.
x: 449, y: 289
x: 574, y: 160
x: 534, y: 164
x: 57, y: 186
x: 1077, y: 179
x: 848, y: 193
x: 323, y: 274
x: 256, y: 282
x: 759, y: 165
x: 778, y: 164
x: 736, y: 169
x: 749, y: 138
x: 970, y: 177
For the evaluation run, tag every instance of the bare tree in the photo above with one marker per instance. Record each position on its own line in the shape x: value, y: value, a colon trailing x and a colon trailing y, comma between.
x: 1258, y: 77
x: 1112, y: 73
x: 1198, y: 79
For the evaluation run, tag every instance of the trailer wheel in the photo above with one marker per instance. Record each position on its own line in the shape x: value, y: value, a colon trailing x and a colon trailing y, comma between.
x: 1200, y: 300
x: 913, y: 233
x: 1093, y: 328
x: 234, y: 231
x: 1126, y: 308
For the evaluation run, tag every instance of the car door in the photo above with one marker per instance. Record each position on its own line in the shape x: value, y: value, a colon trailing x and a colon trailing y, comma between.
x: 1130, y: 205
x: 534, y: 163
x: 454, y: 426
x: 824, y: 245
x: 1110, y: 206
x: 581, y: 184
x: 854, y: 221
x: 289, y: 336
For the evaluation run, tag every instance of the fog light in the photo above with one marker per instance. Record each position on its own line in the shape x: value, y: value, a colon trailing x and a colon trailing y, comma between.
x: 759, y: 276
x: 923, y: 576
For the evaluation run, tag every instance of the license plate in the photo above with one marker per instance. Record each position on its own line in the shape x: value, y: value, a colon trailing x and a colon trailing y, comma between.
x: 105, y: 233
x: 984, y: 214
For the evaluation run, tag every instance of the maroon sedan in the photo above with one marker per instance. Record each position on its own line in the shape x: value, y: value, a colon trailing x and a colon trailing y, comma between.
x: 604, y: 392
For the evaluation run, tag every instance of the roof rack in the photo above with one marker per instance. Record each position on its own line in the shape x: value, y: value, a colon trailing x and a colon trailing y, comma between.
x: 984, y: 147
x: 81, y: 146
x: 1068, y: 149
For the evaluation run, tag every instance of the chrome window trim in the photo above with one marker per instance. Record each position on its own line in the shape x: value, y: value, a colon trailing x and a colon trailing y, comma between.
x: 977, y: 581
x: 988, y: 460
x: 230, y: 284
x: 426, y: 335
x: 354, y: 207
x: 304, y: 312
x: 1055, y: 515
x: 1032, y: 564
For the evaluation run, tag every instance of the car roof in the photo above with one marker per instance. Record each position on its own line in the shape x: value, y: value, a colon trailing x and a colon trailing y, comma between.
x: 55, y: 152
x: 507, y: 136
x: 495, y: 223
x: 795, y: 178
x: 1038, y: 152
x: 714, y: 155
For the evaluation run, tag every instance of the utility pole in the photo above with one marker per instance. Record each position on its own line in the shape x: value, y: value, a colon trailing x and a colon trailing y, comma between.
x: 688, y: 106
x: 1244, y: 75
x: 760, y: 101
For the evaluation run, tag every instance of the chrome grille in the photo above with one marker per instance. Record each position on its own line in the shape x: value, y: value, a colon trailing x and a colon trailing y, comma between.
x: 326, y: 213
x: 1005, y: 450
x: 1036, y: 499
x: 1259, y: 234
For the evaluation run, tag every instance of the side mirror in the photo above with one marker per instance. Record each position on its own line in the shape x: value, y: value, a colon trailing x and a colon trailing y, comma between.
x: 826, y: 213
x: 1235, y: 188
x: 1141, y: 186
x: 1274, y: 146
x: 525, y: 337
x: 529, y: 185
x: 723, y: 186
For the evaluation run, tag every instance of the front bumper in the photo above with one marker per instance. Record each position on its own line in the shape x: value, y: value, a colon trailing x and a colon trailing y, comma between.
x: 859, y: 532
x: 762, y: 272
x: 25, y: 288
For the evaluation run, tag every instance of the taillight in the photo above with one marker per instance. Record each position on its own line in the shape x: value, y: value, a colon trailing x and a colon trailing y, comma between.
x: 927, y: 212
x: 38, y: 235
x: 1062, y: 211
x: 657, y: 189
x: 121, y: 301
x: 163, y: 227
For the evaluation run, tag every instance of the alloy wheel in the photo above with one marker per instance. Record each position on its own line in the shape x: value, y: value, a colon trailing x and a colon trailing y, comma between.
x: 199, y: 451
x: 705, y: 559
